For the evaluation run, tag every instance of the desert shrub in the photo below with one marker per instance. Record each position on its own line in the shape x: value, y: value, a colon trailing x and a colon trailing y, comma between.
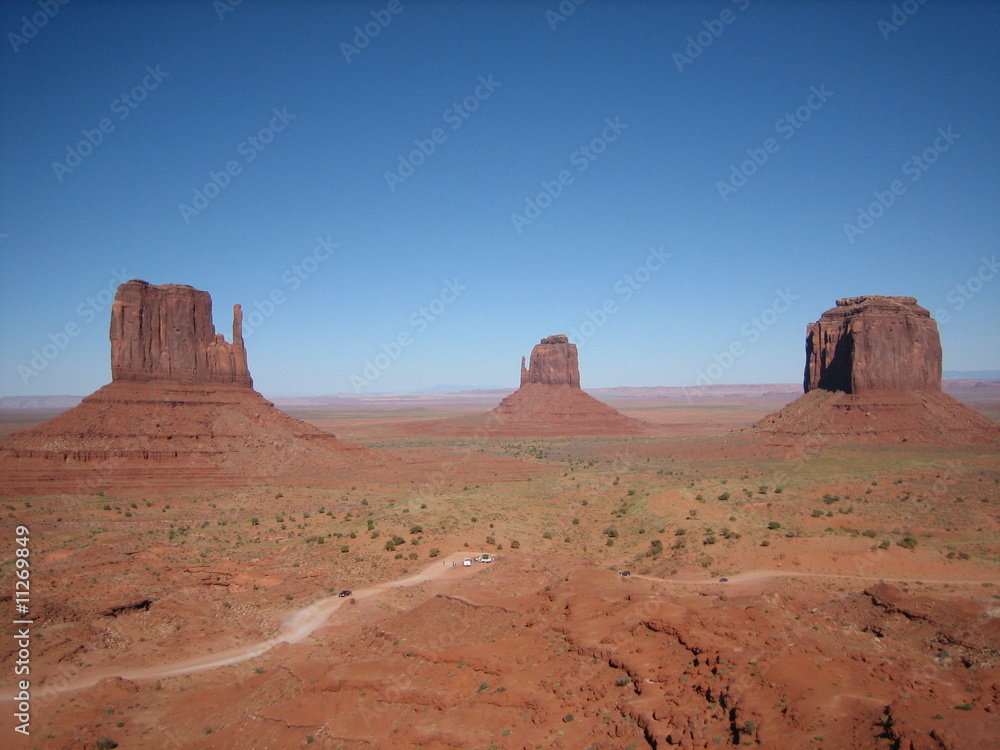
x: 724, y: 496
x: 344, y: 548
x: 774, y: 525
x: 416, y: 529
x: 105, y: 743
x: 611, y: 532
x: 655, y: 547
x: 730, y: 534
x: 817, y: 512
x: 830, y: 499
x: 514, y: 544
x: 765, y: 542
x: 710, y: 539
x: 546, y: 535
x: 908, y: 542
x: 434, y: 552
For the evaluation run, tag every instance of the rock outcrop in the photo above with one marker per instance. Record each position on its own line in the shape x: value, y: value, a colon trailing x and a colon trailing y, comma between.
x: 166, y: 333
x: 549, y: 402
x: 554, y: 361
x: 873, y: 343
x: 873, y: 375
x: 179, y: 413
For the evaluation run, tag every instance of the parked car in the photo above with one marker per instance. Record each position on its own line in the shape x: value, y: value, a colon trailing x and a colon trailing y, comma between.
x: 723, y: 580
x: 625, y: 573
x: 484, y: 559
x: 345, y: 592
x: 467, y: 562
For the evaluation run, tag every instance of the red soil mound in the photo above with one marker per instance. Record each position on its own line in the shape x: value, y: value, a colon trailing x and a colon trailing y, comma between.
x: 161, y: 437
x: 549, y: 403
x: 926, y: 417
x: 180, y: 412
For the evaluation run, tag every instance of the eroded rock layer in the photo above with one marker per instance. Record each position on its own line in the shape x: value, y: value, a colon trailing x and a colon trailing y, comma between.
x: 554, y: 361
x: 166, y: 333
x: 179, y: 413
x: 873, y: 375
x: 873, y: 342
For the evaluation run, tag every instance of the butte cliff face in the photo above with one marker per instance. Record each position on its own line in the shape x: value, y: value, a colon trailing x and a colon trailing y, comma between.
x: 554, y: 361
x: 873, y: 375
x: 180, y: 412
x: 873, y: 343
x: 166, y: 333
x: 551, y: 402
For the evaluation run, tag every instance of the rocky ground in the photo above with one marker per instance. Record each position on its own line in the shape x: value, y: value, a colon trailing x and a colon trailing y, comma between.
x: 859, y: 612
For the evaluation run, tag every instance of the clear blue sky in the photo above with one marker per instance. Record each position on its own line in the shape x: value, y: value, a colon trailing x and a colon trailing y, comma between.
x: 636, y: 128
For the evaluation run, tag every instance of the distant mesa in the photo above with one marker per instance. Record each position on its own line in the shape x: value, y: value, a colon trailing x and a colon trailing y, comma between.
x: 550, y: 400
x: 180, y: 412
x: 554, y: 361
x: 873, y: 375
x: 549, y: 403
x: 166, y: 333
x: 873, y: 343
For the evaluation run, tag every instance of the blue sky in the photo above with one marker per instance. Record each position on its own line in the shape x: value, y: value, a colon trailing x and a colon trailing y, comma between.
x: 406, y: 194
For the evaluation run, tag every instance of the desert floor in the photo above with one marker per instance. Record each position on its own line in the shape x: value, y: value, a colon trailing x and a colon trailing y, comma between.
x: 861, y: 607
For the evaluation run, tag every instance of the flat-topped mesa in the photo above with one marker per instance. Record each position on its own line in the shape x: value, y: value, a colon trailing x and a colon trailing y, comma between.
x: 873, y: 342
x: 554, y: 361
x: 166, y: 333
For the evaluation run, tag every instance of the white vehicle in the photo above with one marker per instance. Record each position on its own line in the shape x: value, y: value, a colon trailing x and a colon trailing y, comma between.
x: 484, y: 559
x: 467, y: 562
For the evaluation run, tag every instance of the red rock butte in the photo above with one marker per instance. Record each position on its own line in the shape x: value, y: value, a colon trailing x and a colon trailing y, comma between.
x: 166, y: 333
x: 179, y: 413
x: 551, y: 402
x: 873, y: 375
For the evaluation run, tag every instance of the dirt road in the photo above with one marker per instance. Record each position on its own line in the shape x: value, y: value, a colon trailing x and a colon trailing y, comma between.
x: 298, y: 626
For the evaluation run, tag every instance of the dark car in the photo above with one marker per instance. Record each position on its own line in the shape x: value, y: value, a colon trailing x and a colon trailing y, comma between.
x: 625, y: 573
x: 345, y: 592
x: 723, y: 580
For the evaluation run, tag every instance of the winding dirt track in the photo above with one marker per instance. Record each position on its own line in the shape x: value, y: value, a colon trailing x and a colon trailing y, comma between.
x: 301, y: 623
x: 298, y: 626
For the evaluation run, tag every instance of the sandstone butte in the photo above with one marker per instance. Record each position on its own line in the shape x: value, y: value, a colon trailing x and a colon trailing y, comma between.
x: 180, y: 412
x: 550, y: 400
x: 548, y: 403
x: 873, y: 375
